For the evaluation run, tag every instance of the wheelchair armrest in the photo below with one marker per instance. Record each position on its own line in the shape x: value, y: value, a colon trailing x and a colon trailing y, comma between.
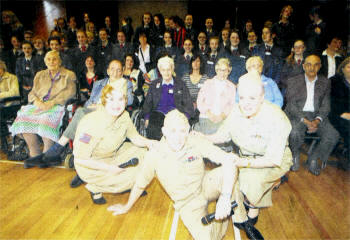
x: 10, y: 99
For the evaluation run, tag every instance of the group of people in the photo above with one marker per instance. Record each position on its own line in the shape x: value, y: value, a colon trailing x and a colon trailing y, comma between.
x: 245, y: 107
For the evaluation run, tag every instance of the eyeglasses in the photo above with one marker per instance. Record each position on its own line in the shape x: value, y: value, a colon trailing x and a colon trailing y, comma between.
x: 309, y: 65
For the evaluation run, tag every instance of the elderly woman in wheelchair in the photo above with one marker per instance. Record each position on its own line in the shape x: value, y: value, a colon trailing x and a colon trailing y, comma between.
x: 43, y: 115
x: 9, y: 91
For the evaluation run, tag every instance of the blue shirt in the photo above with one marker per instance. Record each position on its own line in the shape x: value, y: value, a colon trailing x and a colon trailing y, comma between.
x: 97, y: 90
x: 272, y: 92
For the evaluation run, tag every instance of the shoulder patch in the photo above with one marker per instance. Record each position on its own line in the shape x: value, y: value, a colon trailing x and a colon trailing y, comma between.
x: 85, y: 138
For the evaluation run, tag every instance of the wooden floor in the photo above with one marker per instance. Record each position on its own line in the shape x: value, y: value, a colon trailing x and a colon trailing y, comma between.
x: 39, y: 204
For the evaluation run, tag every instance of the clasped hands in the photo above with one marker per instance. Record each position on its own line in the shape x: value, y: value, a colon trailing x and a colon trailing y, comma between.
x: 312, y: 126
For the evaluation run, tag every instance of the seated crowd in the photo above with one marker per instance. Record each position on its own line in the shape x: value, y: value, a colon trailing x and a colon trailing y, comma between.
x: 221, y: 96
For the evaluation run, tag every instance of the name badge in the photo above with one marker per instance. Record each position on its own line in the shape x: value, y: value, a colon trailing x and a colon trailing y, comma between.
x: 267, y: 53
x: 27, y: 68
x: 158, y: 85
x: 171, y: 91
x: 103, y: 53
x: 210, y: 62
x: 199, y: 85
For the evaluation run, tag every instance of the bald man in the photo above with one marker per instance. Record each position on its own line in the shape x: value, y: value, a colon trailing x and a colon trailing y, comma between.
x: 178, y: 164
x: 308, y: 106
x: 260, y: 129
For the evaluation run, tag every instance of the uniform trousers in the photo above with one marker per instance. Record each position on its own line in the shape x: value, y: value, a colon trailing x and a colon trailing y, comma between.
x: 196, y: 208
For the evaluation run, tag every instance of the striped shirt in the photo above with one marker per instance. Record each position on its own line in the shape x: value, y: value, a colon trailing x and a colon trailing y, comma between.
x: 194, y: 88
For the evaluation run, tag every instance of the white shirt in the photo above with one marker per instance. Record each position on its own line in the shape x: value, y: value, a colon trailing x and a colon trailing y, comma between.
x: 145, y: 59
x: 310, y: 92
x: 331, y: 63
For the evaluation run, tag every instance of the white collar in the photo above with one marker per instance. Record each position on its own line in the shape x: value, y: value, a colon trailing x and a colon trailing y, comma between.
x: 324, y: 53
x: 171, y: 82
x: 307, y: 79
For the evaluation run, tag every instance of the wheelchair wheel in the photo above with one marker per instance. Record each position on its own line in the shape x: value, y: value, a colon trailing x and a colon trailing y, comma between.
x: 69, y: 161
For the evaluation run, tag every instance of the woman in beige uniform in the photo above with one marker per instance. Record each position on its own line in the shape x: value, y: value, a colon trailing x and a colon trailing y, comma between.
x: 99, y: 147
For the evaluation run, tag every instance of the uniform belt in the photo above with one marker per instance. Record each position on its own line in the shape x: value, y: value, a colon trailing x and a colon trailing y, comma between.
x: 248, y: 155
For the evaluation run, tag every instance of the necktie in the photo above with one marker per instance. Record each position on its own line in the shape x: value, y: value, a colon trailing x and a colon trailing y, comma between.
x: 251, y: 48
x: 83, y: 48
x: 121, y: 46
x: 202, y: 48
x: 299, y: 61
x: 213, y: 56
x: 188, y: 58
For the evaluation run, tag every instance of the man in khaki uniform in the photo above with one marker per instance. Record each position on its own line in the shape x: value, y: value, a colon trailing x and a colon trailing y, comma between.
x: 99, y: 147
x: 260, y: 129
x: 178, y: 163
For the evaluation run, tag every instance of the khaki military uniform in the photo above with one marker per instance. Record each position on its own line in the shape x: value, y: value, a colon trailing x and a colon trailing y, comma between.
x: 263, y: 136
x: 189, y: 185
x: 101, y: 138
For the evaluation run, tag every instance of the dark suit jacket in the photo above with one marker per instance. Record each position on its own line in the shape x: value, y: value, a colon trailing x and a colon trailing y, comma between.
x: 103, y: 56
x: 173, y: 52
x: 324, y: 62
x: 272, y: 63
x: 78, y: 57
x: 182, y: 97
x: 296, y: 97
x: 26, y: 73
x: 120, y: 53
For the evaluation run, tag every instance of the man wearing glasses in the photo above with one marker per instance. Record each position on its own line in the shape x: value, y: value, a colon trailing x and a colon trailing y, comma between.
x: 308, y: 106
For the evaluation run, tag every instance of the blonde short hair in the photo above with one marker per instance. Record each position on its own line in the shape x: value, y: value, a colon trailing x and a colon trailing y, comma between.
x: 53, y: 53
x: 119, y: 85
x: 252, y: 60
x: 223, y: 62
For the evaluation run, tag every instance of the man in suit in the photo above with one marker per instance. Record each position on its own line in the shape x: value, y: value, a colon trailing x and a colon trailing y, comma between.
x: 79, y: 53
x: 26, y: 68
x: 168, y: 47
x: 271, y: 54
x: 103, y: 52
x: 121, y: 47
x: 209, y: 28
x: 165, y: 94
x: 308, y: 106
x: 330, y: 58
x: 146, y: 26
x: 191, y: 33
x: 72, y: 33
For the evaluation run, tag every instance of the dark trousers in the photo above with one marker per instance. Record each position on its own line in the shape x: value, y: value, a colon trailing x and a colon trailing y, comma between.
x: 328, y: 138
x: 155, y: 124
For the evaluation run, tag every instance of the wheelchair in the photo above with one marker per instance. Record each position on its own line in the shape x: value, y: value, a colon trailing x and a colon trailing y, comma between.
x: 15, y: 147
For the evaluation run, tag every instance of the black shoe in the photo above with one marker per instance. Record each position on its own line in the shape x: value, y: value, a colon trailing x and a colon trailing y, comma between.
x: 76, y: 182
x: 250, y: 230
x: 98, y: 198
x: 45, y: 163
x: 33, y: 161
